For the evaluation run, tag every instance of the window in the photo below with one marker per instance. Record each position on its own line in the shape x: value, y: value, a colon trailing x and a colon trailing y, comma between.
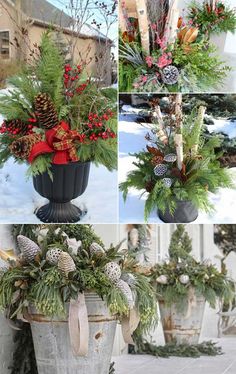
x: 4, y: 45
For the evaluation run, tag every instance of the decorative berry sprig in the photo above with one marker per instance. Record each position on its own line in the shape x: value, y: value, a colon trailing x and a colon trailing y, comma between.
x: 96, y: 127
x: 71, y: 77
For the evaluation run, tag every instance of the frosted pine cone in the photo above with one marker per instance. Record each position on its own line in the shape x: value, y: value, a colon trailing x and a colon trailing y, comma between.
x: 126, y: 290
x: 96, y: 249
x: 28, y: 248
x: 66, y: 263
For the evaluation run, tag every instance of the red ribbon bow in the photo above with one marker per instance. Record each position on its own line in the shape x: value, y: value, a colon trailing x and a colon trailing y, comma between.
x: 59, y: 140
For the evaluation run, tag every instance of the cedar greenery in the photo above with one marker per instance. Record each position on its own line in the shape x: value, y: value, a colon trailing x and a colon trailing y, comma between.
x: 46, y: 287
x: 202, y: 172
x: 218, y: 20
x: 46, y: 75
x: 204, y: 277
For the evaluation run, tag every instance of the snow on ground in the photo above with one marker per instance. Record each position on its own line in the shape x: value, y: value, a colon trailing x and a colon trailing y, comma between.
x: 19, y: 199
x: 131, y: 139
x: 228, y: 128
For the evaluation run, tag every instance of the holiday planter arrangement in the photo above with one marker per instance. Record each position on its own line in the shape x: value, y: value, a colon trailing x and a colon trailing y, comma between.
x: 58, y: 122
x: 72, y: 291
x: 183, y: 285
x: 163, y: 52
x: 179, y: 167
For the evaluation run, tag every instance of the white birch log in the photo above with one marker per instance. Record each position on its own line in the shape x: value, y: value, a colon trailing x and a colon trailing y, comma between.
x: 172, y: 22
x: 178, y: 110
x: 122, y: 20
x: 179, y: 150
x: 143, y: 24
x: 199, y: 120
x: 213, y: 4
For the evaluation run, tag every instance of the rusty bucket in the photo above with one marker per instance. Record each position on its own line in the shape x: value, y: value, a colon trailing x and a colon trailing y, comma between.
x: 183, y: 326
x: 53, y: 348
x: 6, y: 345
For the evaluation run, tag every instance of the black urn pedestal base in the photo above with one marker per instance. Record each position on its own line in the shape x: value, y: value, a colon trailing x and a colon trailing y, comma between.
x: 67, y: 183
x: 185, y: 212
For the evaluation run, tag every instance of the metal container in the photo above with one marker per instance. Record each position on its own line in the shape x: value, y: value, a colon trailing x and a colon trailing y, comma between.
x: 185, y: 212
x: 6, y: 345
x: 52, y: 342
x: 182, y: 327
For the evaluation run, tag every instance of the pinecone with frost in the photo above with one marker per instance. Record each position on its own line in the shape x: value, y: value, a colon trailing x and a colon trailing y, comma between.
x: 96, y: 249
x: 52, y: 256
x: 45, y: 111
x: 29, y: 249
x: 126, y: 291
x: 112, y: 271
x: 66, y: 263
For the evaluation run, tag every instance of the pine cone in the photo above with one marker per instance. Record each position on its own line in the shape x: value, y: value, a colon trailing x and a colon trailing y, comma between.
x: 125, y: 289
x: 157, y: 160
x: 22, y: 147
x: 45, y: 111
x: 52, y: 256
x: 17, y: 127
x: 149, y: 186
x: 96, y: 249
x: 66, y: 263
x: 28, y: 248
x: 112, y: 271
x: 170, y: 75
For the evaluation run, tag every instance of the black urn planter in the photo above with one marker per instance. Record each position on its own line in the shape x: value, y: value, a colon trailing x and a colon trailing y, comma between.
x: 185, y: 212
x: 68, y: 182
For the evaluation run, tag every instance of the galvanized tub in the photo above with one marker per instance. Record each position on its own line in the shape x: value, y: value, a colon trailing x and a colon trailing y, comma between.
x: 6, y: 345
x: 183, y: 326
x: 52, y: 342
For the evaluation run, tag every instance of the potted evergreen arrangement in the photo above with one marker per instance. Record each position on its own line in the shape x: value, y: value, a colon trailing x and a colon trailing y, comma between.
x: 58, y: 122
x: 179, y: 167
x: 183, y: 285
x: 72, y: 291
x: 163, y: 52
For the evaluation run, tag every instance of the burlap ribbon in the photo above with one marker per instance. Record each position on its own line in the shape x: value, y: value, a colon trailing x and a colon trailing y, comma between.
x: 129, y: 325
x: 61, y: 141
x: 79, y: 326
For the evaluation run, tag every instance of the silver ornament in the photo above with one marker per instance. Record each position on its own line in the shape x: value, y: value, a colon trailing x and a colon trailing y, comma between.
x: 167, y: 182
x: 112, y: 271
x: 28, y: 248
x: 125, y: 289
x: 170, y: 75
x: 66, y: 263
x: 96, y: 249
x: 184, y: 278
x: 162, y: 279
x: 171, y: 157
x: 160, y: 169
x: 52, y: 256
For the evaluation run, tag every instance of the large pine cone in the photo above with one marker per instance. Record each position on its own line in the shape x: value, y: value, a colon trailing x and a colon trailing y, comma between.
x: 45, y: 111
x: 22, y: 147
x: 66, y: 263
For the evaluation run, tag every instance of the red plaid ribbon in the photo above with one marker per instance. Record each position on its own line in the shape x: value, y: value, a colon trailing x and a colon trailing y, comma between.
x: 59, y: 140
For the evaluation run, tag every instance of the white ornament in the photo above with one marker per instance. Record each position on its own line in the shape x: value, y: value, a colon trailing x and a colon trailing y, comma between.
x: 134, y: 237
x: 96, y: 249
x: 167, y: 182
x: 112, y: 271
x: 52, y: 256
x: 184, y: 278
x: 206, y: 277
x: 162, y: 279
x: 73, y: 244
x: 160, y: 169
x: 171, y: 157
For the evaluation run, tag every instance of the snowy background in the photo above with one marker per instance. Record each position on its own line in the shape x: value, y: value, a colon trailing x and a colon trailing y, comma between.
x: 19, y: 200
x: 132, y: 139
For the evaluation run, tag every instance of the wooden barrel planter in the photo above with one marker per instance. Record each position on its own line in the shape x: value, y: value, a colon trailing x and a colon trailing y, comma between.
x: 6, y: 345
x: 185, y: 212
x: 53, y: 347
x: 67, y: 182
x: 182, y: 327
